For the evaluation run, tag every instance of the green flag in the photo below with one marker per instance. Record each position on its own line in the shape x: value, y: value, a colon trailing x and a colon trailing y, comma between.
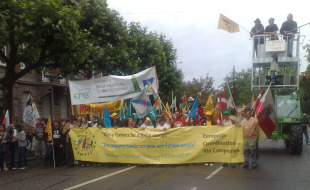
x: 152, y: 114
x: 174, y: 103
x: 128, y: 111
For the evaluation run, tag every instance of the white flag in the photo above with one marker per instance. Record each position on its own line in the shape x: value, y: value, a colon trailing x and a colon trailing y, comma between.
x: 30, y: 112
x: 141, y: 104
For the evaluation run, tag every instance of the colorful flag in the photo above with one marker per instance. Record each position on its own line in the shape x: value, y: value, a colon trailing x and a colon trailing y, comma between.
x: 226, y: 101
x: 209, y: 105
x: 31, y: 113
x: 254, y: 106
x: 168, y: 110
x: 157, y: 105
x: 184, y: 104
x: 136, y: 117
x: 122, y: 116
x: 150, y: 89
x: 128, y: 111
x: 266, y: 115
x: 48, y: 129
x: 141, y: 104
x: 107, y: 120
x: 174, y: 103
x: 227, y: 24
x: 6, y: 119
x: 252, y: 99
x: 218, y: 111
x: 152, y: 114
x: 192, y: 113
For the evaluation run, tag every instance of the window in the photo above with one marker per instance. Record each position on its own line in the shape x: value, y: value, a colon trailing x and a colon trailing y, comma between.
x: 5, y: 53
x: 46, y: 106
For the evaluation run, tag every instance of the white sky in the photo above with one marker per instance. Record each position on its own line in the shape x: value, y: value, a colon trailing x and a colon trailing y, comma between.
x: 192, y: 26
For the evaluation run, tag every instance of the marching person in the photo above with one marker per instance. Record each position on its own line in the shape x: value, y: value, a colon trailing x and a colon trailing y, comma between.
x: 162, y: 124
x: 226, y: 122
x: 21, y: 147
x: 250, y: 133
x: 115, y: 120
x: 66, y: 133
x: 5, y: 138
x: 178, y: 121
x: 147, y: 124
x: 57, y: 143
x: 84, y: 125
x: 209, y: 120
x: 39, y: 134
x: 305, y: 124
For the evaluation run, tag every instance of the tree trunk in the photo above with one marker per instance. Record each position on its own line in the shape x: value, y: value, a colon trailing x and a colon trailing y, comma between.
x: 8, y: 98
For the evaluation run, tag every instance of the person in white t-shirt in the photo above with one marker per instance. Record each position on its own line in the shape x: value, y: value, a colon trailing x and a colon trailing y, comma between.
x: 162, y: 124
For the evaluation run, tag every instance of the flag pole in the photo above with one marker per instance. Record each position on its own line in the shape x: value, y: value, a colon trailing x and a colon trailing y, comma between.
x: 72, y: 111
x: 172, y: 102
x: 230, y: 95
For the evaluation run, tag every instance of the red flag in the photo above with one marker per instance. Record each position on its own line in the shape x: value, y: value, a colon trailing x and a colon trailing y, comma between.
x: 226, y: 100
x: 254, y: 106
x: 218, y: 111
x: 266, y: 115
x: 6, y: 119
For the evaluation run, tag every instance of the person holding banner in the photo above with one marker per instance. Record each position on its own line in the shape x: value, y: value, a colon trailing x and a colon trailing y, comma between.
x: 115, y: 120
x: 226, y: 122
x: 162, y: 124
x: 95, y: 122
x: 68, y: 147
x: 209, y: 120
x: 250, y: 131
x: 147, y: 124
x: 178, y: 121
x: 131, y: 123
x: 192, y: 122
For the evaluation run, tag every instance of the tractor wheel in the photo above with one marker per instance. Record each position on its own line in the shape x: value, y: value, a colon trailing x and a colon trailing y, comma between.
x: 296, y: 142
x: 287, y: 145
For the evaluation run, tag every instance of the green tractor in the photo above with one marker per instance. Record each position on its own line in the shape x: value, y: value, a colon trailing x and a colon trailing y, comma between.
x: 289, y: 116
x: 275, y: 63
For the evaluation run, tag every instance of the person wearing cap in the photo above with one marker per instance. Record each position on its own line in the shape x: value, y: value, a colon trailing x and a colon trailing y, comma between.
x: 272, y: 29
x: 162, y: 124
x: 115, y: 120
x: 258, y: 29
x: 226, y: 122
x: 305, y: 124
x: 147, y: 124
x: 288, y: 29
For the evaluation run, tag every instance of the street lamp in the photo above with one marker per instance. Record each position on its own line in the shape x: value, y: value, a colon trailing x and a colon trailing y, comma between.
x: 51, y: 77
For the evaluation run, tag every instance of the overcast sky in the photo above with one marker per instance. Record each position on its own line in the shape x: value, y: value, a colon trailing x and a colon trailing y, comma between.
x: 192, y: 26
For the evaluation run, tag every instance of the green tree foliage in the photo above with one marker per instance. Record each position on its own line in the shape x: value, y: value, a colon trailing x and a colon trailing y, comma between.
x: 85, y: 37
x: 202, y: 87
x: 240, y: 86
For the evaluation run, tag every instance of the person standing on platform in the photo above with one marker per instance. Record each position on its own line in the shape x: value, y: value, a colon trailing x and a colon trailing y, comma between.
x: 258, y: 29
x: 272, y: 29
x: 288, y: 29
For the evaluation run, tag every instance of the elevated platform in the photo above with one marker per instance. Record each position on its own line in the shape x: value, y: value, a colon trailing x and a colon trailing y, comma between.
x: 287, y: 70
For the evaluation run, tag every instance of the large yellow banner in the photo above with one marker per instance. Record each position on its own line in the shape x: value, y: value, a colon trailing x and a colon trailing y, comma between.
x: 155, y: 146
x: 84, y: 109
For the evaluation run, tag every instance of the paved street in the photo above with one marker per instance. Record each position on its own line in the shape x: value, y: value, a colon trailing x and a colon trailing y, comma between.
x: 276, y: 170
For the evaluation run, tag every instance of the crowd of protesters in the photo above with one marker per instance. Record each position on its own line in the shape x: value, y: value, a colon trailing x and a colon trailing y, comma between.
x: 58, y: 152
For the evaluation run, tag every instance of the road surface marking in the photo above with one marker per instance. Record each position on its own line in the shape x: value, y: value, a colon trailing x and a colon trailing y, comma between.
x: 194, y: 188
x: 100, y: 178
x: 215, y: 172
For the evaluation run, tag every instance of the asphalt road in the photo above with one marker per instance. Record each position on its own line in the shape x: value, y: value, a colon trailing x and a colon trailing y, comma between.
x: 276, y: 170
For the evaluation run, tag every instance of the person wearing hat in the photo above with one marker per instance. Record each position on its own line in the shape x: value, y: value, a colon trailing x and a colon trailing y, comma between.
x: 147, y: 124
x: 115, y: 120
x: 305, y: 124
x: 226, y: 122
x: 209, y: 120
x: 162, y: 124
x: 288, y: 29
x: 272, y: 29
x: 258, y: 29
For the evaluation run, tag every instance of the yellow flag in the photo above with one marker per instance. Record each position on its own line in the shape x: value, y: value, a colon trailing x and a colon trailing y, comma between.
x: 252, y: 100
x: 48, y: 129
x: 243, y: 107
x: 167, y: 109
x: 227, y: 24
x: 209, y: 105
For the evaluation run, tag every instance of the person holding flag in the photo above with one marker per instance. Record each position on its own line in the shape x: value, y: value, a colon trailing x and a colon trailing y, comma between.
x: 250, y: 135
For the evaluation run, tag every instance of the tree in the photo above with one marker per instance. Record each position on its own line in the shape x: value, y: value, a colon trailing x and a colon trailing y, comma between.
x: 38, y: 34
x: 240, y: 86
x: 202, y: 87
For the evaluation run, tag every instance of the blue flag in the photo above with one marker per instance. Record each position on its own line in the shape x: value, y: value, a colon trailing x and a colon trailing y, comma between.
x: 107, y: 120
x: 122, y: 115
x: 192, y: 113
